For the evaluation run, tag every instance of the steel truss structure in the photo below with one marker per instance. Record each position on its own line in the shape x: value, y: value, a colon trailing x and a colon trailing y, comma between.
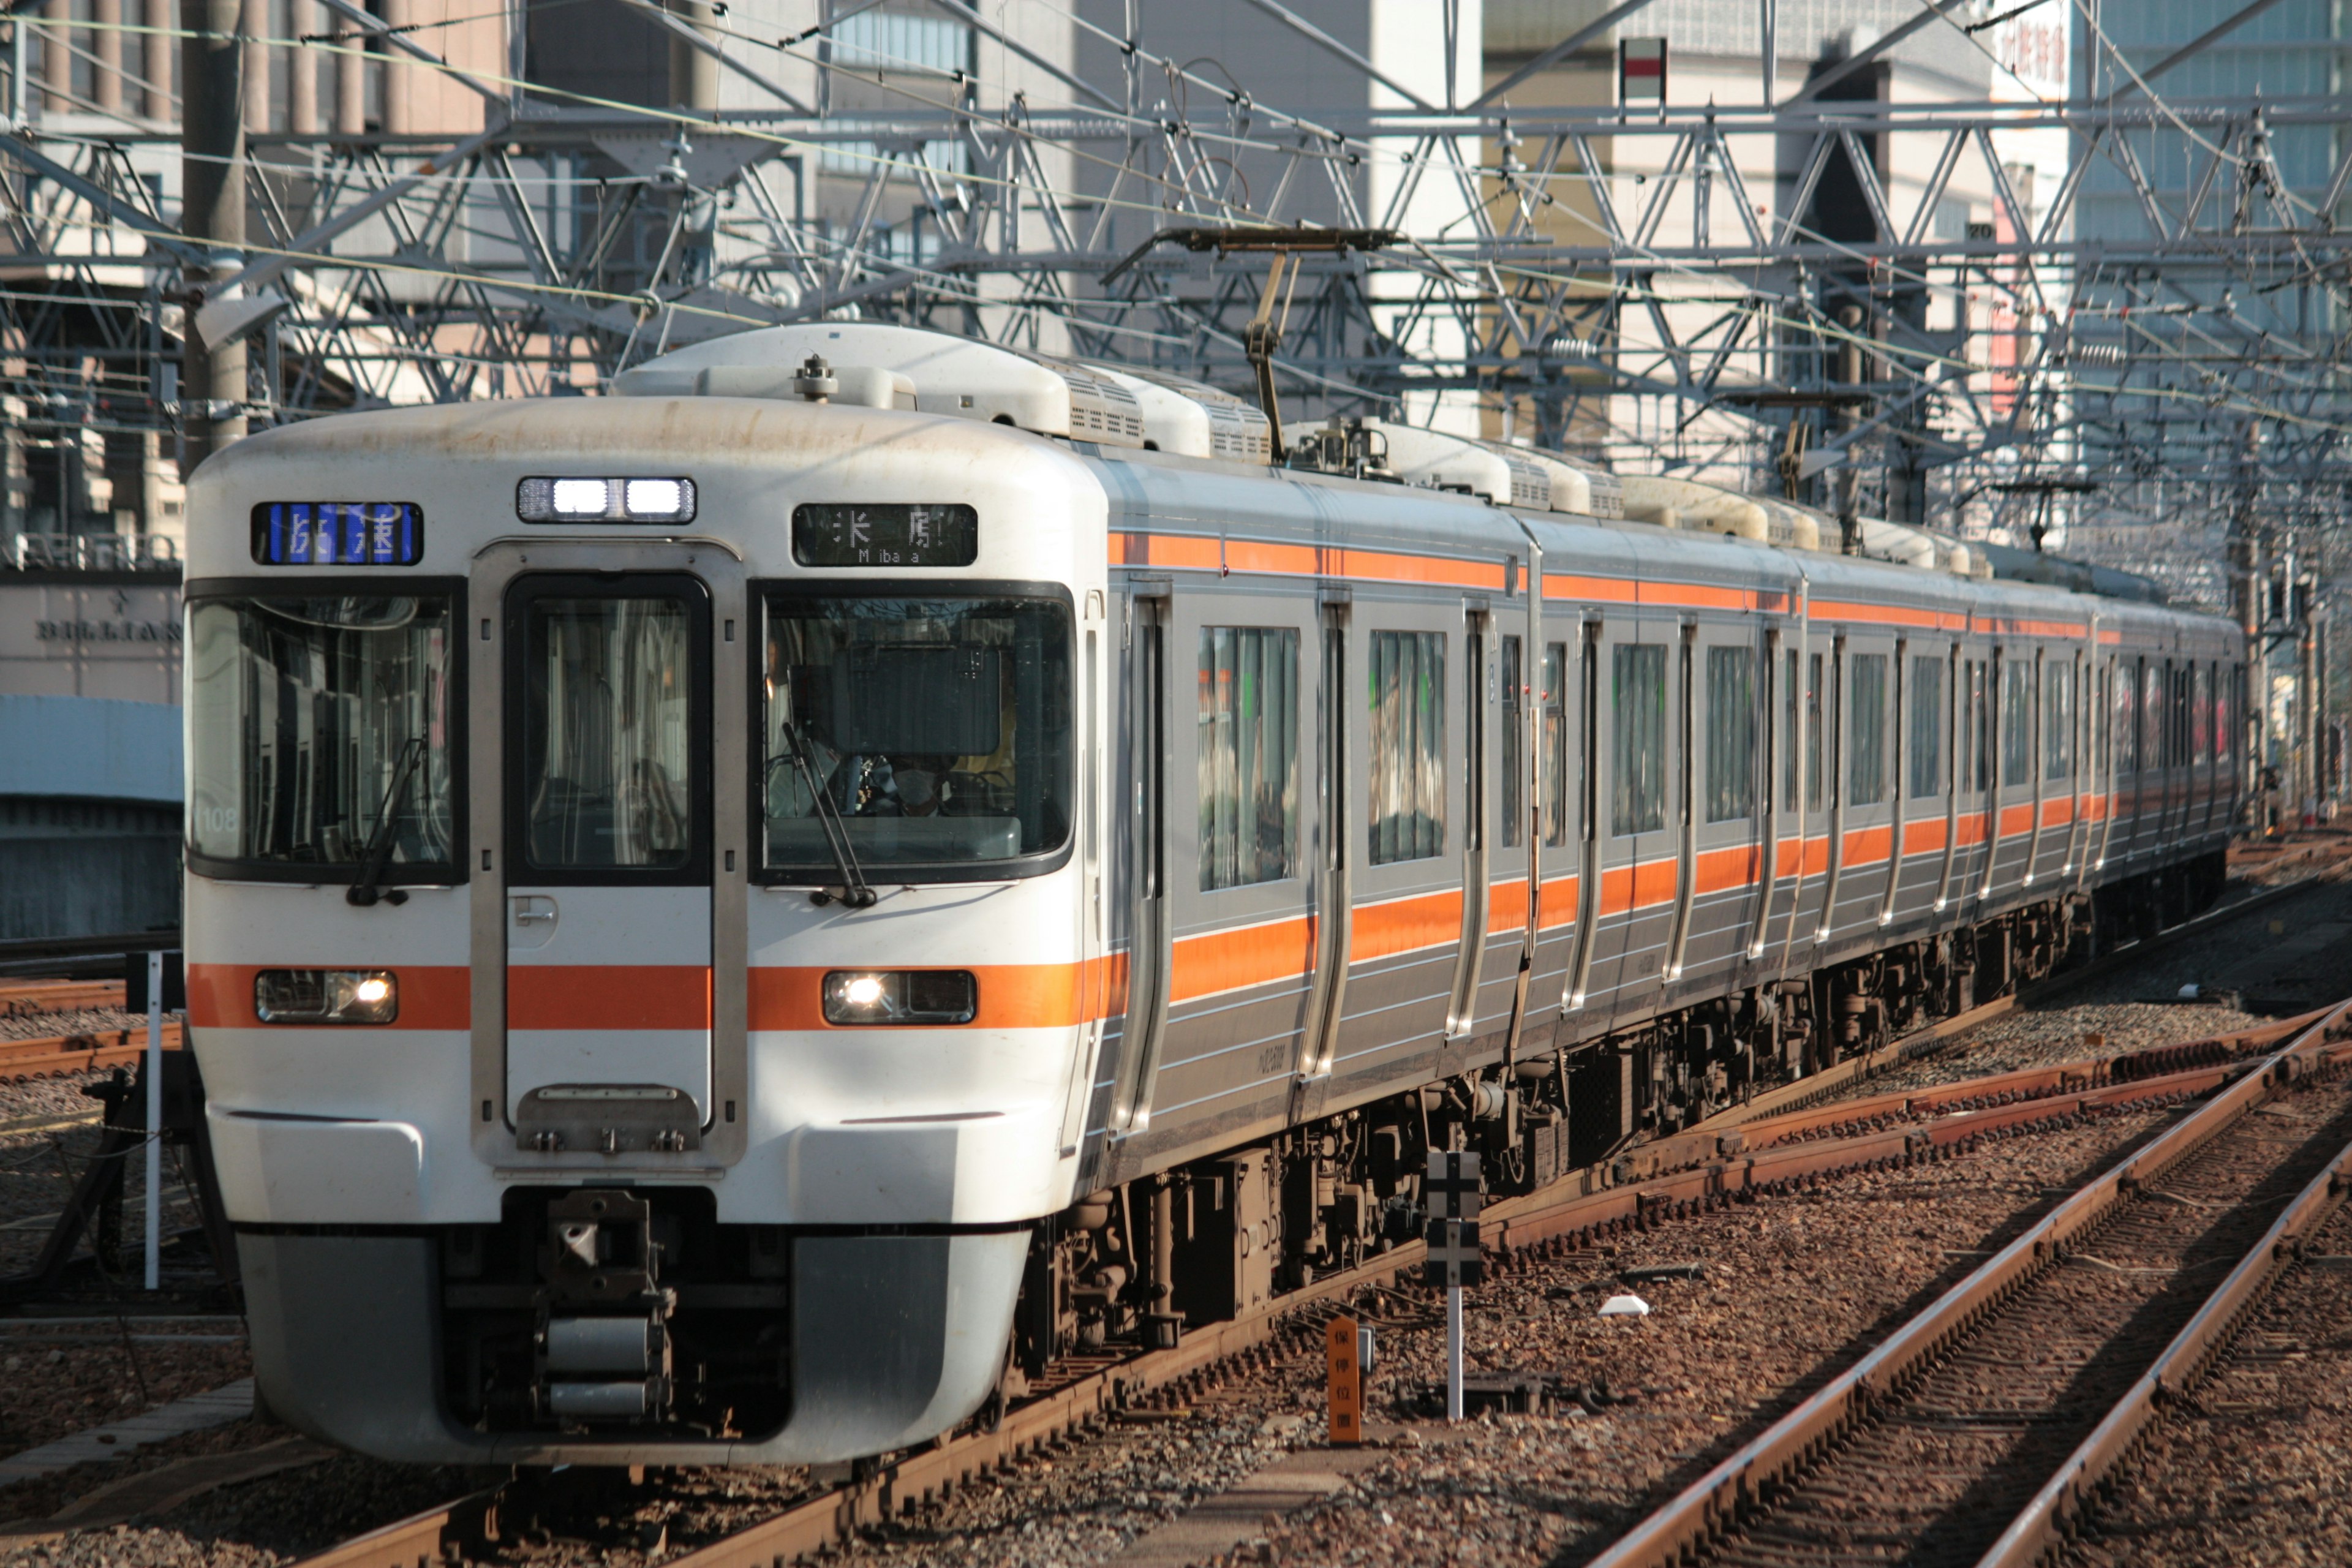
x: 2186, y: 379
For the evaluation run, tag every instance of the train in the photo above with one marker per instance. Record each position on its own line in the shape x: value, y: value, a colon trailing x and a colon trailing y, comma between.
x: 750, y: 918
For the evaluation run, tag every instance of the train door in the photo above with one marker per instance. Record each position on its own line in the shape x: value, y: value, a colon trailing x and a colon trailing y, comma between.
x: 1242, y: 871
x: 1773, y: 746
x: 608, y: 851
x: 1636, y: 868
x: 1729, y: 786
x: 1473, y: 1001
x: 1805, y: 787
x: 1400, y: 688
x: 1148, y: 916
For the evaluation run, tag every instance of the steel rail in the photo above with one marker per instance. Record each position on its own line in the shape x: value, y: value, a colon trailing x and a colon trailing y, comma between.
x: 1718, y: 1501
x: 2042, y: 1527
x: 56, y: 1056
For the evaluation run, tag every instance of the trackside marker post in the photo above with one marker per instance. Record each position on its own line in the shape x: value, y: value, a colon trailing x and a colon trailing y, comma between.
x: 1347, y: 1367
x: 1452, y: 1194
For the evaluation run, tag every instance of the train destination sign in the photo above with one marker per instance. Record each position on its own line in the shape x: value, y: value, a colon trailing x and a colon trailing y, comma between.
x: 860, y: 533
x: 338, y: 533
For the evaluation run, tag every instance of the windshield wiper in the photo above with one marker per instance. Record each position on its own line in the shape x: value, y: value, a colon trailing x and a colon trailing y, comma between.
x: 855, y: 891
x: 363, y: 891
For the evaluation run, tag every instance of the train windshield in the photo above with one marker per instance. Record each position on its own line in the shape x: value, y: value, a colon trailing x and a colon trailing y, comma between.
x: 928, y: 732
x: 319, y: 733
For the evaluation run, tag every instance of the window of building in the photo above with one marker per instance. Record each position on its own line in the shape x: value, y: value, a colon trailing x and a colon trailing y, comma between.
x: 1249, y: 755
x: 1638, y: 692
x: 1730, y: 733
x: 2058, y: 720
x: 1408, y: 746
x: 1926, y: 739
x: 1867, y: 734
x: 2016, y: 722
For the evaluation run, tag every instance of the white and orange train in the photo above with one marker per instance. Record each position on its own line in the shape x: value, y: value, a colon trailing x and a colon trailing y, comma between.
x: 737, y: 921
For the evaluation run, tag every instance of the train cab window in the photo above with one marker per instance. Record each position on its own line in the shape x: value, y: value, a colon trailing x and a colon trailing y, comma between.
x: 1248, y: 755
x: 2058, y: 720
x: 1638, y: 800
x: 1730, y: 733
x: 320, y: 736
x: 1408, y: 746
x: 1925, y: 742
x: 1559, y: 819
x: 929, y: 733
x: 2016, y: 721
x: 1867, y: 719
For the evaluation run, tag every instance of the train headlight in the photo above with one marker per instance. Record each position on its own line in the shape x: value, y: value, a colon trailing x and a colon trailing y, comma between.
x: 605, y: 501
x: 904, y: 996
x: 326, y: 996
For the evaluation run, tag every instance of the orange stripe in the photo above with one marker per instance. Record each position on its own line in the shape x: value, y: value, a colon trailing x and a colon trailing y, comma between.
x: 1012, y: 995
x: 432, y: 996
x: 1716, y: 870
x: 1406, y: 925
x: 1203, y: 555
x: 2016, y: 819
x: 1506, y: 905
x: 1921, y: 837
x: 1867, y: 845
x: 1816, y: 852
x: 608, y: 997
x: 1613, y: 590
x: 2057, y: 813
x: 1885, y: 615
x: 1231, y: 959
x: 1557, y: 906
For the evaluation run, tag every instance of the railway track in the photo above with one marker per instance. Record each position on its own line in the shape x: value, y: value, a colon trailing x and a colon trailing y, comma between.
x: 1973, y: 1434
x: 1773, y: 1156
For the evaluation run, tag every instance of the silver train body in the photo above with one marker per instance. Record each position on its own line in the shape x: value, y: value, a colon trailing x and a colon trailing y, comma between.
x: 726, y: 928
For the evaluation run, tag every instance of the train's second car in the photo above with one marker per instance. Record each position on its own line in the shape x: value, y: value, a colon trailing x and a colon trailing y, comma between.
x: 727, y: 927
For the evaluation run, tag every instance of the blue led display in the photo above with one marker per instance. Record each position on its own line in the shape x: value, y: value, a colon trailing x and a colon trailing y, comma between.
x: 338, y: 533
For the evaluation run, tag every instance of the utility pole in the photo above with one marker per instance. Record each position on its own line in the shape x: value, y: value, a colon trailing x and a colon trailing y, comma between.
x: 212, y: 182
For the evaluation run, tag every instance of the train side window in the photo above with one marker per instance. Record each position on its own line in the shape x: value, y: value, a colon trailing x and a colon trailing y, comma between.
x: 2058, y: 720
x: 2016, y: 722
x: 2203, y: 704
x: 1408, y: 746
x: 1514, y: 740
x: 1926, y: 741
x: 1730, y: 733
x: 1794, y: 688
x: 1556, y: 813
x: 2127, y: 720
x: 1815, y: 761
x: 1638, y: 692
x: 1867, y: 719
x: 1248, y: 755
x: 2151, y: 714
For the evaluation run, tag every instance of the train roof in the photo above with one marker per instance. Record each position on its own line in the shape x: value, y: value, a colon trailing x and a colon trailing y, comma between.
x: 746, y: 437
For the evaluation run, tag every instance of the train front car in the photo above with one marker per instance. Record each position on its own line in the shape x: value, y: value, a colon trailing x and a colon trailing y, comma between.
x: 637, y: 962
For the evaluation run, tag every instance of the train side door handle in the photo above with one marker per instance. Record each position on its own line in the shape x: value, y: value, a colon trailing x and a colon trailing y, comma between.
x: 530, y: 909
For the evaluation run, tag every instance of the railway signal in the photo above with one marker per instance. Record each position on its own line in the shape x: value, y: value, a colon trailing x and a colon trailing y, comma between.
x: 1451, y: 1190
